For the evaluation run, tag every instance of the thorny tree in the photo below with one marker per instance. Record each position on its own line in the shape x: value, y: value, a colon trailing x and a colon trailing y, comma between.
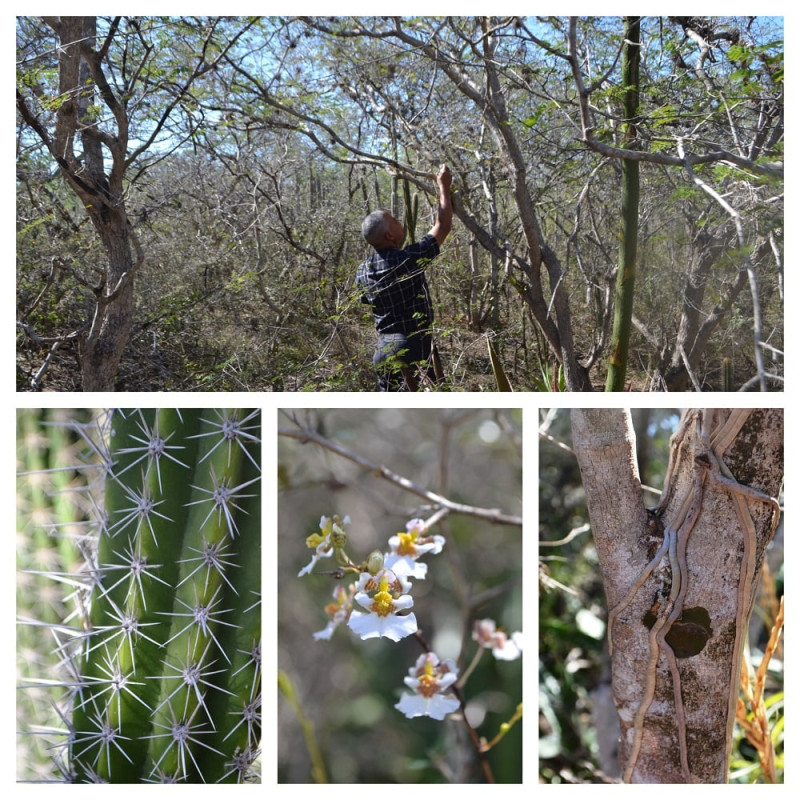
x: 104, y: 103
x: 528, y: 113
x: 496, y: 94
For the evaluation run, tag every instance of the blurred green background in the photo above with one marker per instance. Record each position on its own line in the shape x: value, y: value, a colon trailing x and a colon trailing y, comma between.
x: 343, y: 690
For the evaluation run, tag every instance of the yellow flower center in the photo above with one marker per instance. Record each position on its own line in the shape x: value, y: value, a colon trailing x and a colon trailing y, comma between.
x: 428, y: 686
x: 428, y: 683
x: 383, y: 602
x: 407, y: 544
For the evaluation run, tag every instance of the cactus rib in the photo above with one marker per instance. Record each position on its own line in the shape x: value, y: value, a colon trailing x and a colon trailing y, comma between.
x: 164, y: 648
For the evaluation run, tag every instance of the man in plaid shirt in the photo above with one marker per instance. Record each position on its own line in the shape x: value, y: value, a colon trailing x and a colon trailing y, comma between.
x: 394, y: 285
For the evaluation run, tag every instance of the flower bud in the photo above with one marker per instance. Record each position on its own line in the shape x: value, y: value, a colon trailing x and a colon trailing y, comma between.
x: 338, y: 537
x: 375, y: 562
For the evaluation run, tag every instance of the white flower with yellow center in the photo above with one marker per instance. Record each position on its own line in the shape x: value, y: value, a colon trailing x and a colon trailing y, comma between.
x: 383, y: 595
x: 429, y: 679
x: 504, y: 647
x: 338, y: 611
x: 407, y: 547
x: 321, y: 543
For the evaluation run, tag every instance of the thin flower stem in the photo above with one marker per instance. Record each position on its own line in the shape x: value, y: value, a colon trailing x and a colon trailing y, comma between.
x: 318, y: 771
x: 422, y: 643
x: 474, y: 663
x: 504, y: 729
x: 473, y: 735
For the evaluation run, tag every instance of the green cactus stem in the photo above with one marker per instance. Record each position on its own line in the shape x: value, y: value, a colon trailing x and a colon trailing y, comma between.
x: 412, y: 211
x: 46, y: 558
x: 727, y: 375
x: 166, y: 650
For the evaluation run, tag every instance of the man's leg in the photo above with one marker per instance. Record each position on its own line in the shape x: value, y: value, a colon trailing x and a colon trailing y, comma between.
x: 403, y: 364
x: 390, y: 363
x: 428, y: 364
x: 438, y: 369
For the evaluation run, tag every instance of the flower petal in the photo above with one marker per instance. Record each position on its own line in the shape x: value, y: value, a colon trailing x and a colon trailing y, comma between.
x: 436, y: 707
x: 308, y: 567
x: 508, y: 651
x: 370, y: 626
x: 406, y: 567
x: 326, y: 633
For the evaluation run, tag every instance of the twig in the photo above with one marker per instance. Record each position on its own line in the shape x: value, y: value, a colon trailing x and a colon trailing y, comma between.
x: 490, y: 514
x: 505, y: 727
x: 568, y: 538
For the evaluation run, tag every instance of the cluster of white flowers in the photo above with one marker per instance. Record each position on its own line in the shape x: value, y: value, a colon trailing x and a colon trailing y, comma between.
x: 383, y: 596
x: 378, y: 604
x: 383, y: 590
x: 406, y: 548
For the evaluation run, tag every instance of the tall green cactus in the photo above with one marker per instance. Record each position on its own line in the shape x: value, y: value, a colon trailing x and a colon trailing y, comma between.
x: 727, y: 375
x: 412, y: 211
x: 165, y: 650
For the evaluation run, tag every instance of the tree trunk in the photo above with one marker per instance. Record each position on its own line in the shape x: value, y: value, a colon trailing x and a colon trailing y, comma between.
x: 706, y: 250
x: 680, y: 578
x: 100, y: 351
x: 80, y: 76
x: 629, y: 224
x: 554, y: 319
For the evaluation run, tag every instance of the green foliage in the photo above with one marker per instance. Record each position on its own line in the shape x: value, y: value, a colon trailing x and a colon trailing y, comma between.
x: 570, y: 655
x: 551, y: 379
x: 532, y: 120
x: 745, y: 767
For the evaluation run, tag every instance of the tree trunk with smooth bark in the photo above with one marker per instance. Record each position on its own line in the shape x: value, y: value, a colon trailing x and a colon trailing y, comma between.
x: 725, y: 528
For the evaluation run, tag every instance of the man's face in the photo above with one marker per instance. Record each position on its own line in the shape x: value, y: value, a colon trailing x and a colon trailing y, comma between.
x: 395, y: 232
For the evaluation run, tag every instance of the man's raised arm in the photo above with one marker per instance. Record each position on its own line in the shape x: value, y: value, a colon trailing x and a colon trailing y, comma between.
x: 444, y: 214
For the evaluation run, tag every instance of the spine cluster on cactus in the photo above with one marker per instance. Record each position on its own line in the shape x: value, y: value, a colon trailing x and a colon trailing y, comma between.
x: 161, y: 650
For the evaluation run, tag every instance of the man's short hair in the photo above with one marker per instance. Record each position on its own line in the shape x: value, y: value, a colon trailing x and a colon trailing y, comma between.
x: 374, y: 226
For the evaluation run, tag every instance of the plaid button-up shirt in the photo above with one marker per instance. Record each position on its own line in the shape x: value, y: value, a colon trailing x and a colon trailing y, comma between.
x: 394, y: 285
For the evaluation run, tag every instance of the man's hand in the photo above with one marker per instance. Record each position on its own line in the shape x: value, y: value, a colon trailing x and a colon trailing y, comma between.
x: 444, y: 214
x: 444, y: 178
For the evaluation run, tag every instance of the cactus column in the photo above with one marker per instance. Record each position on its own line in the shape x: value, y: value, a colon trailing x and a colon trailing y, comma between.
x: 167, y: 684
